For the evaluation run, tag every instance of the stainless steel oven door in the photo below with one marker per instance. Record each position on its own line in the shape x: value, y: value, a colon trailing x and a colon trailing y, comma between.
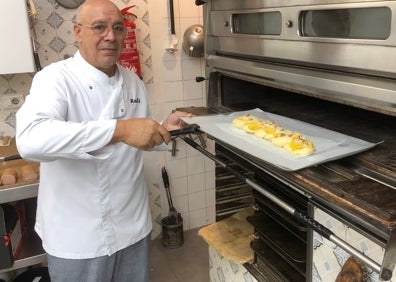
x: 344, y: 35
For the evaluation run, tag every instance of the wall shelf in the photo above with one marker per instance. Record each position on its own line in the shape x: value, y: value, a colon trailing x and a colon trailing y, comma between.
x: 16, y: 193
x: 32, y: 251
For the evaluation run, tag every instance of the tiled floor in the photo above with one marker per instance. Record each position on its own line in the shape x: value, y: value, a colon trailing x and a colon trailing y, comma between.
x: 190, y: 262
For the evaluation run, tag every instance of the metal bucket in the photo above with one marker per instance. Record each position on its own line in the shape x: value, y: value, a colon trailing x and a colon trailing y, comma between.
x: 172, y: 233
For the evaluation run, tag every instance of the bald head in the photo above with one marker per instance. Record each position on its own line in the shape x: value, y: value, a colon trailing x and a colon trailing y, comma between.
x: 96, y: 32
x: 89, y: 5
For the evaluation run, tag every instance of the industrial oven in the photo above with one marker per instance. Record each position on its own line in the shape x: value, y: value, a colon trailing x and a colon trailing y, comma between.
x: 330, y: 64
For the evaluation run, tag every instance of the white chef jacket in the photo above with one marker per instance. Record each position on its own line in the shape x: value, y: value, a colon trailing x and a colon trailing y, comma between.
x: 92, y: 198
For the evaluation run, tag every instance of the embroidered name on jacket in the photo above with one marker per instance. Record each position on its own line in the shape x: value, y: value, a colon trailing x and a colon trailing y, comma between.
x: 135, y: 101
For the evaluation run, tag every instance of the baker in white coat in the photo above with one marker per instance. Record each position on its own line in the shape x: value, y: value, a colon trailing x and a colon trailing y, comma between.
x: 86, y: 120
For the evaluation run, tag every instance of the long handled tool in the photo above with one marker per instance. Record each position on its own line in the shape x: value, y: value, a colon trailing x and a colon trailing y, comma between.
x: 174, y: 40
x: 385, y: 273
x: 32, y: 11
x: 173, y: 216
x: 10, y: 158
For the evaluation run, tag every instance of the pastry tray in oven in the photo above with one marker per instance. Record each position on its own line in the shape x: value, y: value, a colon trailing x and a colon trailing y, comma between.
x: 329, y: 144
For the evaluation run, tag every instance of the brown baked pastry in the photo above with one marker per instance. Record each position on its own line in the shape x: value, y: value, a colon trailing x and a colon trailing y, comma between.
x: 352, y: 271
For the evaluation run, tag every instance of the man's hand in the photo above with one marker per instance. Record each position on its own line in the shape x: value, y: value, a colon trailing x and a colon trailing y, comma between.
x: 141, y: 133
x: 173, y: 121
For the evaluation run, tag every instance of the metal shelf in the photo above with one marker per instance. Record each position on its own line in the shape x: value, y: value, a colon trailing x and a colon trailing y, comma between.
x: 32, y: 252
x: 20, y: 192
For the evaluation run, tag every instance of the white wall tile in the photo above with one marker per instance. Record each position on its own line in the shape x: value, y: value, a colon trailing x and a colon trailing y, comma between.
x: 196, y: 201
x: 191, y: 152
x: 210, y: 145
x: 186, y: 221
x: 196, y: 183
x: 177, y: 168
x: 192, y: 90
x: 210, y: 197
x: 194, y: 103
x: 209, y: 165
x: 178, y: 186
x: 197, y: 218
x: 181, y: 203
x: 195, y: 165
x: 210, y: 214
x: 172, y: 70
x: 188, y: 9
x: 160, y: 9
x: 191, y: 69
x: 170, y: 106
x: 180, y: 150
x: 173, y: 91
x: 210, y: 180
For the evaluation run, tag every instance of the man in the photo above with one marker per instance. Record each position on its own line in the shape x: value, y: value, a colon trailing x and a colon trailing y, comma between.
x: 86, y: 120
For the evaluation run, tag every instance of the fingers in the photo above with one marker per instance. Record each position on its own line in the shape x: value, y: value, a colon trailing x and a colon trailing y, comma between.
x: 141, y: 133
x: 174, y: 122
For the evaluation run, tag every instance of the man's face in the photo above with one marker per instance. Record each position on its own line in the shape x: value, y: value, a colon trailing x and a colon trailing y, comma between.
x: 99, y: 39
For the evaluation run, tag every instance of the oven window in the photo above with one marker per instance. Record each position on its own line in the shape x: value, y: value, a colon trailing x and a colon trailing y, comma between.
x: 263, y: 23
x: 356, y: 23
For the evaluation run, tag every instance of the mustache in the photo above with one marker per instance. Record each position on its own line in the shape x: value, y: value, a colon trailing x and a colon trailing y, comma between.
x: 109, y: 46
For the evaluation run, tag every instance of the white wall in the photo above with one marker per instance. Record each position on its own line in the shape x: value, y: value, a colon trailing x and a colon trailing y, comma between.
x: 191, y: 174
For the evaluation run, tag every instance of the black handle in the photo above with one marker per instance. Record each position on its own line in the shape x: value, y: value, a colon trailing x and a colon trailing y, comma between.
x: 322, y: 230
x: 190, y: 129
x: 200, y: 78
x: 11, y: 158
x: 172, y: 17
x: 199, y: 2
x: 37, y: 61
x: 165, y: 177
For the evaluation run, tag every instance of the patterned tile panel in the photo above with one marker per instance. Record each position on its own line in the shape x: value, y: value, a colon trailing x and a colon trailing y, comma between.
x: 224, y: 270
x: 55, y: 38
x: 329, y: 258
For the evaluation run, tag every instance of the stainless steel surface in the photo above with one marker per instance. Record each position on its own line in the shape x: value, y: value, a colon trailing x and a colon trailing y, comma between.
x: 365, y: 92
x: 338, y: 69
x: 342, y: 82
x: 16, y: 193
x: 193, y: 40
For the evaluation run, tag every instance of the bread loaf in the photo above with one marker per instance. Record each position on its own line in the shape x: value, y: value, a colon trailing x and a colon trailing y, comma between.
x: 29, y: 173
x: 9, y: 176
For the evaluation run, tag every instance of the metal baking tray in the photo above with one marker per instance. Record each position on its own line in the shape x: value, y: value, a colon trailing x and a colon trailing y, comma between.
x: 329, y: 144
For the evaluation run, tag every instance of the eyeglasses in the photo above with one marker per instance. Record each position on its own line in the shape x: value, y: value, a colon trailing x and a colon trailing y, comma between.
x: 103, y: 29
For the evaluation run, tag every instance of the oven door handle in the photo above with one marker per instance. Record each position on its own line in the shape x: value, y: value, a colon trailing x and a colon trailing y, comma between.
x: 385, y: 273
